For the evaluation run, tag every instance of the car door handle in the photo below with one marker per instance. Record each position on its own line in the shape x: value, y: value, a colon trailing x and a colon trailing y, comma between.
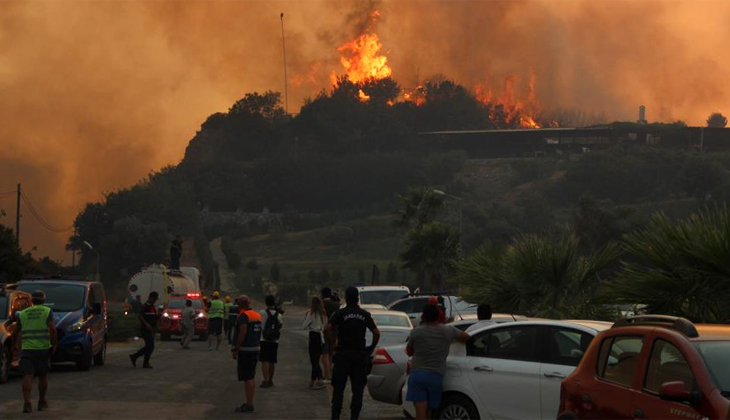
x: 554, y: 375
x: 484, y: 369
x: 639, y: 414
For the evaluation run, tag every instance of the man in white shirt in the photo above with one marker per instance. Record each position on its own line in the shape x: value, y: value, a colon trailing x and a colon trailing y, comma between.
x: 484, y: 315
x: 188, y: 324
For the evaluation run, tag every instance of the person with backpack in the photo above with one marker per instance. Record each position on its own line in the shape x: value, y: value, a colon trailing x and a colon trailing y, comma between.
x: 271, y: 317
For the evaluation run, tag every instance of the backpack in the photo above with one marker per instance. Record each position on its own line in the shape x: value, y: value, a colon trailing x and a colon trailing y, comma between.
x: 272, y: 328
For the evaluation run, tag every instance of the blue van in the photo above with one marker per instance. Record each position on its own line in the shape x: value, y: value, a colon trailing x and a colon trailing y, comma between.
x: 79, y: 308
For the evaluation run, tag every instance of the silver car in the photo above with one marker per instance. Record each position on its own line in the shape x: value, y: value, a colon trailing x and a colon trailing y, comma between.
x: 389, y: 373
x: 394, y: 327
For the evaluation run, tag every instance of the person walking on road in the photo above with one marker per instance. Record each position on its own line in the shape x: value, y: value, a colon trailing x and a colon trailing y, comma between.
x: 247, y: 343
x: 38, y: 339
x: 331, y: 305
x: 429, y: 345
x: 272, y: 324
x: 215, y: 321
x: 148, y: 317
x: 314, y: 322
x: 348, y: 327
x: 188, y: 324
x: 484, y: 315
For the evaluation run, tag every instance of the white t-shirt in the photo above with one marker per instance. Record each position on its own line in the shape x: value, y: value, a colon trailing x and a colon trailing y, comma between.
x: 479, y: 324
x: 265, y: 317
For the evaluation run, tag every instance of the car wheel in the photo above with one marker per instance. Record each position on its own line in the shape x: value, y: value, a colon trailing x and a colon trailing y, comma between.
x: 5, y: 360
x: 457, y: 407
x: 87, y: 357
x: 100, y: 357
x: 165, y: 336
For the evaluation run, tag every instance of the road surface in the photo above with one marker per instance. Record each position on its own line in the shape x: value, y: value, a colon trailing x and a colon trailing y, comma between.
x: 185, y: 384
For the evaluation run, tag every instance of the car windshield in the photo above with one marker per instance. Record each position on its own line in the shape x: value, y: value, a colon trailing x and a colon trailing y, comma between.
x: 383, y: 297
x: 180, y: 303
x: 3, y: 307
x: 59, y: 297
x: 385, y: 320
x: 715, y: 355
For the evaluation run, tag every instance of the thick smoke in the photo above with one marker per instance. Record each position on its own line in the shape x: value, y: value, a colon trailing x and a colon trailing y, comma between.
x: 95, y: 94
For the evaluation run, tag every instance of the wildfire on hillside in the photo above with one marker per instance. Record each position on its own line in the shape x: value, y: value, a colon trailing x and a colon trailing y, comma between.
x: 507, y: 108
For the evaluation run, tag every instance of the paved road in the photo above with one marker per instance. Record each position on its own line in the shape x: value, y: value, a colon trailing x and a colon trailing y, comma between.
x: 185, y: 384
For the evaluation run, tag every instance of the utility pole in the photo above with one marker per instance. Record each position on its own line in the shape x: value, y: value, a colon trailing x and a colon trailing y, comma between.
x: 286, y: 79
x: 17, y: 217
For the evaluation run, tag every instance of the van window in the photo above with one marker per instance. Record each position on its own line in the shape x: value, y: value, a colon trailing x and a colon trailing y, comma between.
x: 619, y: 359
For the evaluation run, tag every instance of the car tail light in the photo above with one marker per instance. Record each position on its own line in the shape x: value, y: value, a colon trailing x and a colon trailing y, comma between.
x: 382, y: 357
x: 175, y: 316
x: 193, y: 295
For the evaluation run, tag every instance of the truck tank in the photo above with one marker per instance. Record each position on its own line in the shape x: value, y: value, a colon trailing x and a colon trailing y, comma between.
x: 158, y: 278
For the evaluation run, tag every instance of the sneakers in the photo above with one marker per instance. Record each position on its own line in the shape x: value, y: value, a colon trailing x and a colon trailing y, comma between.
x: 146, y: 366
x: 326, y: 381
x: 266, y: 384
x: 27, y: 408
x: 42, y: 405
x: 133, y: 360
x: 318, y: 385
x: 245, y: 408
x: 210, y: 348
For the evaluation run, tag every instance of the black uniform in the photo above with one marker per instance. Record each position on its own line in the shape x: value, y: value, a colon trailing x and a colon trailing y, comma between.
x: 149, y: 312
x: 351, y: 357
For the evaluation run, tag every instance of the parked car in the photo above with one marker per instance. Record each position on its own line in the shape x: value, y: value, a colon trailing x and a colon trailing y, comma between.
x: 389, y: 373
x: 170, y: 323
x: 512, y: 370
x: 454, y: 307
x: 383, y: 295
x: 394, y: 327
x: 11, y: 302
x: 368, y: 306
x: 79, y: 308
x: 652, y: 367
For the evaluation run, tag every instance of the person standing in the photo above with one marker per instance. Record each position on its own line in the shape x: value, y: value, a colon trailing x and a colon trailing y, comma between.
x: 227, y: 324
x: 272, y: 324
x: 188, y: 323
x: 176, y: 252
x: 348, y: 327
x: 247, y: 343
x: 148, y: 317
x: 215, y: 321
x: 331, y: 305
x: 314, y: 322
x: 136, y: 304
x: 232, y: 315
x: 484, y: 315
x: 429, y: 345
x: 38, y: 340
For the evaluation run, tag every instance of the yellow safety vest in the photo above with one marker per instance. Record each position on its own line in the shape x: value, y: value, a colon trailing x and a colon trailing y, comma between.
x: 216, y: 309
x: 34, y: 328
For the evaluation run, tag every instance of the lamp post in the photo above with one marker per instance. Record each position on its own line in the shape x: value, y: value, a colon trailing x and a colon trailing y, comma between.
x: 461, y: 213
x: 88, y: 245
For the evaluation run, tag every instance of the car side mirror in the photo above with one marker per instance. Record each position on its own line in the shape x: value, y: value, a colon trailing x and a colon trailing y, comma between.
x: 675, y: 391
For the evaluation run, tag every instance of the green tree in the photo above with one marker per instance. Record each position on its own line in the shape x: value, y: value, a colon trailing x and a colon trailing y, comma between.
x: 391, y: 275
x: 11, y: 257
x: 419, y: 206
x: 432, y: 250
x: 324, y: 277
x: 266, y: 106
x: 679, y: 268
x: 537, y: 276
x: 717, y: 120
x: 361, y: 276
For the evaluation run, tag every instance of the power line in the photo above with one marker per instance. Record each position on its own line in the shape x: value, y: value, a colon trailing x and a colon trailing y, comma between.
x: 41, y: 220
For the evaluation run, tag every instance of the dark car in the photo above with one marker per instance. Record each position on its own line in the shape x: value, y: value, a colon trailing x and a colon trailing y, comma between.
x: 652, y: 367
x: 79, y: 308
x: 11, y: 302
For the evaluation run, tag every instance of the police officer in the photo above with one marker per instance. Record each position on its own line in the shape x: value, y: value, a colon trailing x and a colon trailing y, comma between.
x: 215, y: 320
x: 38, y: 340
x: 148, y: 317
x: 347, y: 329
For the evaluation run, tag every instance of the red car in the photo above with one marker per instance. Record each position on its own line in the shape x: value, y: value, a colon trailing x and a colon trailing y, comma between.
x: 652, y: 367
x: 170, y: 324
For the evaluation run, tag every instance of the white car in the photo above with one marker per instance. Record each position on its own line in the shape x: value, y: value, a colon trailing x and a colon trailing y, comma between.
x: 394, y: 327
x: 454, y: 307
x: 513, y: 370
x: 383, y: 295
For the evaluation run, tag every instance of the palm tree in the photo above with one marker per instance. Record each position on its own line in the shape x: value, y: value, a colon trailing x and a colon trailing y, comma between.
x: 420, y: 205
x: 537, y: 276
x: 432, y: 250
x: 680, y: 268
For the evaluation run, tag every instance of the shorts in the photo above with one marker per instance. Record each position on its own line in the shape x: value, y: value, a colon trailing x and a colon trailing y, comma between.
x: 215, y: 326
x: 247, y: 361
x: 425, y: 386
x: 34, y: 362
x: 269, y: 352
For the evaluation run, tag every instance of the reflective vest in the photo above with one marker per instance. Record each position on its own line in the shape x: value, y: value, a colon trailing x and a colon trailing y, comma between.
x: 227, y: 309
x: 34, y: 328
x: 216, y: 309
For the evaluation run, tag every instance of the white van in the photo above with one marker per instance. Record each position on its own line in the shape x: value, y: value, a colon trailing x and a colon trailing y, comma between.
x: 383, y: 295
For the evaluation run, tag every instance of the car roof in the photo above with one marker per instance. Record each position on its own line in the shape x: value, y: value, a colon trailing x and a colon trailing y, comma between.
x: 379, y: 288
x: 57, y: 281
x: 588, y: 326
x: 712, y: 332
x: 387, y: 312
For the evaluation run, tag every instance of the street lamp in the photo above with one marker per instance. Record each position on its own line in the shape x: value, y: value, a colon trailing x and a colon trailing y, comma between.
x: 88, y: 245
x: 461, y: 212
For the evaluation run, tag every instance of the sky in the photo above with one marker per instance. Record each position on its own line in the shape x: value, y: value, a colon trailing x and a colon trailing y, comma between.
x: 94, y: 95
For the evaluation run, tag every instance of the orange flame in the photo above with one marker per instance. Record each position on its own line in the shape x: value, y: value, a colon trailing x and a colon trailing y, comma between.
x: 507, y: 109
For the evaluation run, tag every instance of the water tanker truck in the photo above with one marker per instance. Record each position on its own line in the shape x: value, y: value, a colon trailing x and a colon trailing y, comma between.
x: 166, y: 282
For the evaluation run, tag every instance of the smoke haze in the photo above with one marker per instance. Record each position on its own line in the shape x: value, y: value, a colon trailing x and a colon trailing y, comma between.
x: 96, y: 94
